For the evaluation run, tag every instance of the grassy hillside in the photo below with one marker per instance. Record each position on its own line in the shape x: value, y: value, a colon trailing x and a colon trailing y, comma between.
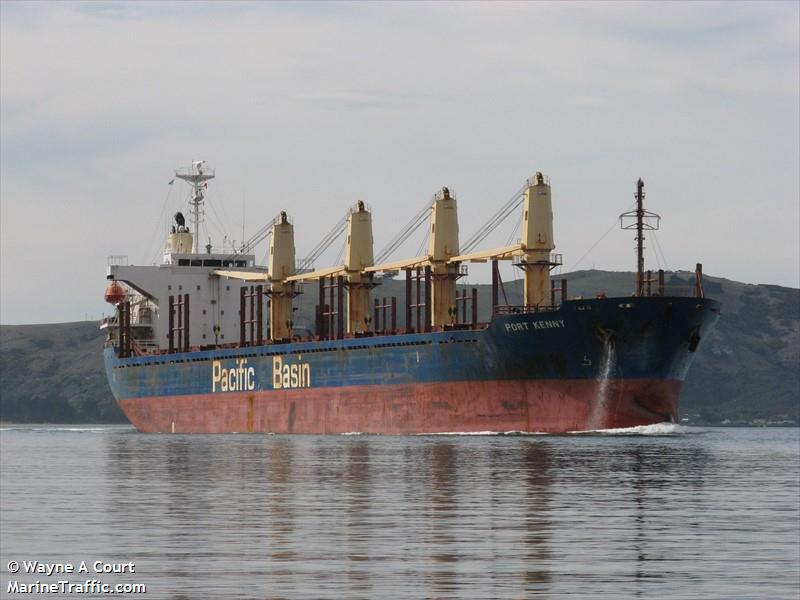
x: 54, y: 374
x: 748, y: 368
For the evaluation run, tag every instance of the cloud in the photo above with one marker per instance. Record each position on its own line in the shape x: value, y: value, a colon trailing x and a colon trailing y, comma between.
x: 311, y: 106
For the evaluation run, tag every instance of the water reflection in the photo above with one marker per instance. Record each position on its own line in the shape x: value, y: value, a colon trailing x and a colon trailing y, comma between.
x: 656, y: 470
x: 442, y: 489
x: 357, y: 524
x: 537, y: 465
x: 378, y: 517
x: 280, y: 530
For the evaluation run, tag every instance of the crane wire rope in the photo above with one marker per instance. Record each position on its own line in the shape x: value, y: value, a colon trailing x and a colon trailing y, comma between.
x: 494, y: 221
x: 423, y: 242
x: 255, y: 239
x: 340, y: 257
x: 418, y: 219
x: 323, y: 244
x: 263, y: 233
x: 515, y: 234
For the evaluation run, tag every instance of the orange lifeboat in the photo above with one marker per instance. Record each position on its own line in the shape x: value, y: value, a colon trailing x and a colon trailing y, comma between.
x: 114, y: 293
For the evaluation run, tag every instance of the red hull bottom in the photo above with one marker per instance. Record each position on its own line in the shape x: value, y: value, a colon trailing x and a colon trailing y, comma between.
x: 548, y: 406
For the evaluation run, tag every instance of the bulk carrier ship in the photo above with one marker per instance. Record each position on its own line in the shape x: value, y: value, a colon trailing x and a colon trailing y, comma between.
x: 206, y: 341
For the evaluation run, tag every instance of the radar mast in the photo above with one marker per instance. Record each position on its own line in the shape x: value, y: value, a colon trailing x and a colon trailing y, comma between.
x: 197, y: 176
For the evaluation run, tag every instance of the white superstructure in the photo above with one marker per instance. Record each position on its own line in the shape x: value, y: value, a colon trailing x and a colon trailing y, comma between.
x: 214, y: 298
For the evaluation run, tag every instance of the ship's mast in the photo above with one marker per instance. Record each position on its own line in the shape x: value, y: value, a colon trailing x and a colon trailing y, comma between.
x: 640, y: 225
x: 640, y: 237
x: 196, y: 176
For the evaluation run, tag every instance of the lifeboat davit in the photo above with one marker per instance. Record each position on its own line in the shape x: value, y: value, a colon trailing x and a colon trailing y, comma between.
x: 115, y: 293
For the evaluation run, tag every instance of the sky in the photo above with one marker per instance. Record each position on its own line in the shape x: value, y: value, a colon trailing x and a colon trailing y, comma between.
x: 309, y: 107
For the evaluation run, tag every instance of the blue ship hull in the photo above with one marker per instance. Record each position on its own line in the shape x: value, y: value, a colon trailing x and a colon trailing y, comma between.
x: 611, y: 362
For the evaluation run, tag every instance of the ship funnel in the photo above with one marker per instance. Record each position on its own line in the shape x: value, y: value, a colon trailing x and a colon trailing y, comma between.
x: 179, y: 240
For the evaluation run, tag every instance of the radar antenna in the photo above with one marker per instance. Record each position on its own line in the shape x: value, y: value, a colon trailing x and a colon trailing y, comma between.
x: 197, y: 176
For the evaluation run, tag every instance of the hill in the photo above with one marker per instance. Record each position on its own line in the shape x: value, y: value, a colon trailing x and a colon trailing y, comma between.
x: 54, y: 374
x: 746, y: 370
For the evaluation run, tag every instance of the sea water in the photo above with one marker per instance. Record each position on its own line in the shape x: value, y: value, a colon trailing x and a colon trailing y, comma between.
x: 655, y: 512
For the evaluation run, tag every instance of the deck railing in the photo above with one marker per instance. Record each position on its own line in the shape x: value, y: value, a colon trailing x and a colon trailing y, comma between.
x: 523, y: 309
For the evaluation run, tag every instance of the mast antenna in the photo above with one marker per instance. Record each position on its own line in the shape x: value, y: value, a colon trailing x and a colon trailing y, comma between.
x: 197, y: 176
x: 640, y: 220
